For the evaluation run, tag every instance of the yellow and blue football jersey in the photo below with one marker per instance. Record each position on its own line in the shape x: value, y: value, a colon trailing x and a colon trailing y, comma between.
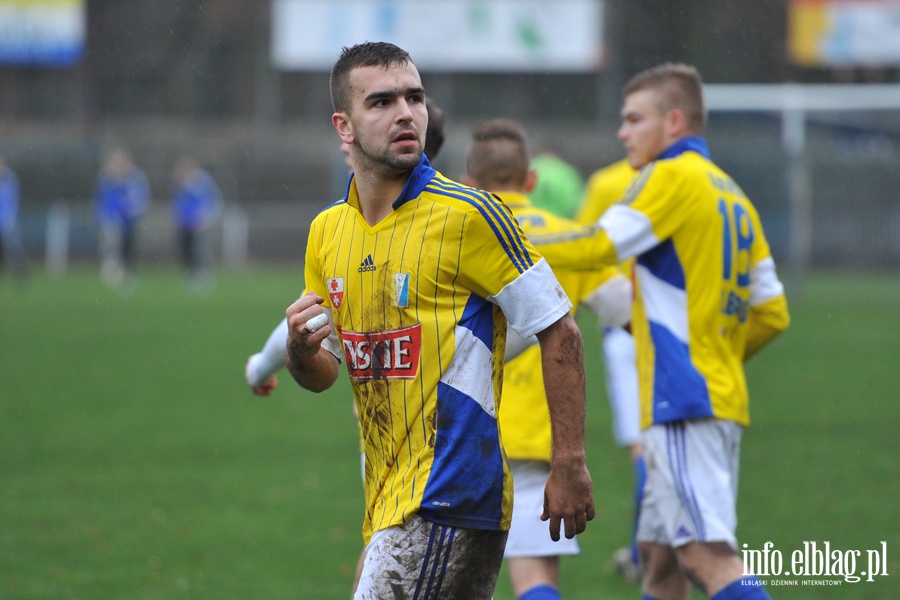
x: 420, y: 304
x: 703, y: 269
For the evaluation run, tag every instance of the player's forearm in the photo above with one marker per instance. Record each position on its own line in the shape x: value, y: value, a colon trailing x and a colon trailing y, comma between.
x: 562, y: 357
x: 316, y: 372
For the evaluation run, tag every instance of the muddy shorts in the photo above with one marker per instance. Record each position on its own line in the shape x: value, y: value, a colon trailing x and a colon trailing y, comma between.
x: 426, y: 561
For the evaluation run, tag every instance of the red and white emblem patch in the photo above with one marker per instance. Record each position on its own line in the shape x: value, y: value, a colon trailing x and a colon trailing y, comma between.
x: 335, y: 291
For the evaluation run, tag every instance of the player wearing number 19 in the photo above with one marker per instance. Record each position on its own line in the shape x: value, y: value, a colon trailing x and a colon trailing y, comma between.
x: 707, y: 298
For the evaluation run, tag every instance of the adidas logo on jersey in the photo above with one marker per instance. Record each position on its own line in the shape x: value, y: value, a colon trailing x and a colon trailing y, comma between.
x: 367, y: 265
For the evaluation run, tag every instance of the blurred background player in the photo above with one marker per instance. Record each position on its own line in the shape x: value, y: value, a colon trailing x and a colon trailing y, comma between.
x: 559, y: 186
x: 196, y: 205
x: 11, y: 252
x: 122, y: 197
x: 605, y: 187
x: 707, y: 298
x: 497, y: 161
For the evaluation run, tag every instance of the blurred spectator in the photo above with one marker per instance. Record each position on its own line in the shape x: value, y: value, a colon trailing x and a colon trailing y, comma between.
x: 559, y: 185
x: 122, y: 198
x: 11, y: 251
x: 197, y: 205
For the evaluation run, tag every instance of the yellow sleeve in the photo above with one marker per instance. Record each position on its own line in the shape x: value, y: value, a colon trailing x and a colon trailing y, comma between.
x: 576, y: 248
x: 765, y: 322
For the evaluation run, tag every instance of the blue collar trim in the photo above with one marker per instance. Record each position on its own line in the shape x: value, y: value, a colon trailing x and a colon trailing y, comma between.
x: 687, y: 144
x: 419, y: 178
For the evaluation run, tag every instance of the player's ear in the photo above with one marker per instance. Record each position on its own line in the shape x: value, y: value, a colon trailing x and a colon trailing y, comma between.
x: 676, y: 123
x: 530, y: 181
x: 343, y: 126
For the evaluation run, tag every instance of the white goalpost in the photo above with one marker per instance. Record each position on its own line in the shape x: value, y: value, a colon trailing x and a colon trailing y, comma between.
x: 794, y: 103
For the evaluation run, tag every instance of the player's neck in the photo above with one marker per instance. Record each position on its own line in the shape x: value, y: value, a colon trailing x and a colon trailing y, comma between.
x: 377, y: 193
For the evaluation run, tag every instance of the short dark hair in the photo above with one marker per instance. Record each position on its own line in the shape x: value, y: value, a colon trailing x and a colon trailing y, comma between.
x: 680, y: 86
x: 434, y: 135
x: 498, y: 157
x: 367, y: 54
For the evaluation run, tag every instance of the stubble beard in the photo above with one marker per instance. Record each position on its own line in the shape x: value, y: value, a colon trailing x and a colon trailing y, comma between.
x: 386, y: 162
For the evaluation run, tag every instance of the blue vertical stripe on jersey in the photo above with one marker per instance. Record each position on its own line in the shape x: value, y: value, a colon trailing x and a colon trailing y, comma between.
x: 662, y: 260
x: 462, y: 489
x: 679, y: 391
x: 498, y: 219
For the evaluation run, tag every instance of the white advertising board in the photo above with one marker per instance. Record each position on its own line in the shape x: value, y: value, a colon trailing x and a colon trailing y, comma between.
x: 42, y: 32
x: 444, y: 35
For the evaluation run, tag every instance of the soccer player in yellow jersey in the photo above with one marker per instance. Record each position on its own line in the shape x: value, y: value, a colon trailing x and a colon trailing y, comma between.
x: 418, y: 276
x: 707, y: 298
x: 497, y: 161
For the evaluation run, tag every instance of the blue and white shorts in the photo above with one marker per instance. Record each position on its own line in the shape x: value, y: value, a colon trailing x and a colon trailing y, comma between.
x: 692, y: 482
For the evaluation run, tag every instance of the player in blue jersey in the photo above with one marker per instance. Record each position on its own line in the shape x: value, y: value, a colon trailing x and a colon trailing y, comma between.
x: 11, y: 251
x: 122, y: 197
x: 196, y: 204
x: 417, y: 276
x: 707, y: 298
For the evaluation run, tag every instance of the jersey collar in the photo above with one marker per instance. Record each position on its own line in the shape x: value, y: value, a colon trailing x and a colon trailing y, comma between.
x: 686, y: 144
x: 421, y: 176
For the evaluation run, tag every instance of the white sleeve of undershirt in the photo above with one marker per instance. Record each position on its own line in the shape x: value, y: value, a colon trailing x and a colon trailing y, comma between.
x: 270, y: 359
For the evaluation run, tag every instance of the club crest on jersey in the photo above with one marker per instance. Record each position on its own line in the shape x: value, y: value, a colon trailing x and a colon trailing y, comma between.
x: 400, y: 290
x: 382, y: 355
x: 335, y: 290
x: 367, y: 265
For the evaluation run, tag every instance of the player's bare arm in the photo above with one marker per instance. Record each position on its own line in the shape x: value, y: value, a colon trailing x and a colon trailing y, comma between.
x: 313, y: 367
x: 569, y: 496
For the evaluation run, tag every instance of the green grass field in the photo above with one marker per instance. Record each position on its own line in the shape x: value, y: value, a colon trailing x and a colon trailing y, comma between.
x: 135, y: 463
